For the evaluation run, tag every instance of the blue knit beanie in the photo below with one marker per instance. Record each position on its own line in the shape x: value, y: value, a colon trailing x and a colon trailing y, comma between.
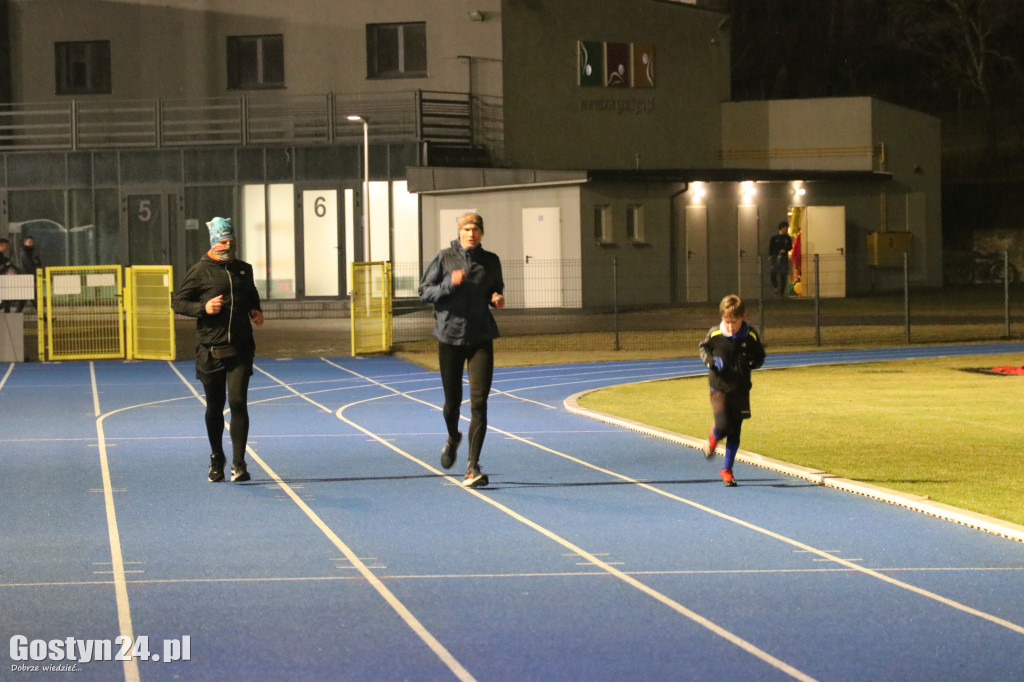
x: 220, y: 228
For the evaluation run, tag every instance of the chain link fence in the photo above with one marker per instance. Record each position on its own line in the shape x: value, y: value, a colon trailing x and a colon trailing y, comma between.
x: 980, y: 301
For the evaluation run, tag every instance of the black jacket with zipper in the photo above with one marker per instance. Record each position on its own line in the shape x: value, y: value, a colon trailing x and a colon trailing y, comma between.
x: 740, y: 355
x: 463, y: 313
x: 208, y: 279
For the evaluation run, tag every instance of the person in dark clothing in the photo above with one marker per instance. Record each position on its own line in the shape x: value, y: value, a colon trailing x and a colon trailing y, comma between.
x: 6, y: 267
x: 730, y: 351
x: 779, y: 247
x: 26, y: 262
x: 5, y: 259
x: 463, y: 282
x: 220, y: 292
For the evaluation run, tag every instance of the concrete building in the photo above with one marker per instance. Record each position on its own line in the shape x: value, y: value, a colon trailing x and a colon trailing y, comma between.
x: 590, y: 138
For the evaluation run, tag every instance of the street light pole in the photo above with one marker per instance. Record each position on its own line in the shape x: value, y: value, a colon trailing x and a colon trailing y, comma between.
x: 366, y: 185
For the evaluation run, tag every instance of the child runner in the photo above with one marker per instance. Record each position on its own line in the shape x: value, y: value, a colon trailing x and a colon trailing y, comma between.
x: 730, y: 351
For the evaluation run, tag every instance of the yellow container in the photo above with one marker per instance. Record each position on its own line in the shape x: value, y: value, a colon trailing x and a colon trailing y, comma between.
x: 886, y: 249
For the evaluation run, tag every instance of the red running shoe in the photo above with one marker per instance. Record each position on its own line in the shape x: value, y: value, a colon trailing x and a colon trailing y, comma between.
x: 727, y: 478
x: 709, y: 449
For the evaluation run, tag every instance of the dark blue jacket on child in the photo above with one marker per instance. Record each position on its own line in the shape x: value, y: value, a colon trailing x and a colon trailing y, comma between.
x: 740, y: 354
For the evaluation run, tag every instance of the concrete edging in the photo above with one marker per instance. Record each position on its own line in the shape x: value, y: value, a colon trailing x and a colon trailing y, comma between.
x: 917, y: 503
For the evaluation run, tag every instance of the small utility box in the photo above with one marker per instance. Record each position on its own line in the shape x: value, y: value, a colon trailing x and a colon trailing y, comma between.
x: 886, y: 249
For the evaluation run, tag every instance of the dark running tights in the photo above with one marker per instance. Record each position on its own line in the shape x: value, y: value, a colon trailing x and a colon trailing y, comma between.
x: 234, y: 385
x: 479, y: 360
x: 728, y: 424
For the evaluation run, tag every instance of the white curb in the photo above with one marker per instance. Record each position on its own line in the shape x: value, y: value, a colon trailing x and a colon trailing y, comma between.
x: 918, y: 503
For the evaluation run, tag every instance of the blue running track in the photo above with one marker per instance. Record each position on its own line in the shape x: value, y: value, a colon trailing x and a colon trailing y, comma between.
x: 597, y: 552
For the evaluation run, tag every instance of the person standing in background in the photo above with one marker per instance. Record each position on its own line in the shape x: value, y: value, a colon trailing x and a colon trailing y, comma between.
x: 26, y: 262
x: 779, y: 247
x: 6, y: 268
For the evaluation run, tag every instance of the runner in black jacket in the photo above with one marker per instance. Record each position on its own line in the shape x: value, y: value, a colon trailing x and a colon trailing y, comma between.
x: 219, y: 291
x: 463, y: 282
x: 730, y: 351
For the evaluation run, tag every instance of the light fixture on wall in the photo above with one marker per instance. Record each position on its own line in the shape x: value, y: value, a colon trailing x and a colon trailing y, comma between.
x: 798, y: 189
x: 698, y: 191
x: 475, y: 15
x: 749, y: 190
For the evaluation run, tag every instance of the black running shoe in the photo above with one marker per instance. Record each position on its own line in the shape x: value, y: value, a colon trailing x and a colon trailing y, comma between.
x: 216, y: 468
x: 449, y: 451
x: 475, y: 478
x: 239, y: 473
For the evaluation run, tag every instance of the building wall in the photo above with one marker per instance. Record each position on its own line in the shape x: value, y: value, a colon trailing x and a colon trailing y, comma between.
x: 643, y: 269
x: 527, y: 53
x: 169, y: 49
x: 914, y: 198
x: 502, y: 214
x: 853, y: 134
x: 818, y: 134
x: 552, y: 122
x: 502, y: 211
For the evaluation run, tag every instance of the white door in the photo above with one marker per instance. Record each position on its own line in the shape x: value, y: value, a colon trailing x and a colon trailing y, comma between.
x: 825, y: 235
x: 696, y: 254
x: 746, y: 248
x: 542, y: 258
x: 320, y: 249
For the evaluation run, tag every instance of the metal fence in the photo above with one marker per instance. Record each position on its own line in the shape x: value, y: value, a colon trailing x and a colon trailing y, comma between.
x: 84, y: 313
x: 371, y: 307
x: 900, y: 310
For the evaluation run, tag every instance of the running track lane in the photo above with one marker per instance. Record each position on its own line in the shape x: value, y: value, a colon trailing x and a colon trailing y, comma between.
x: 596, y: 551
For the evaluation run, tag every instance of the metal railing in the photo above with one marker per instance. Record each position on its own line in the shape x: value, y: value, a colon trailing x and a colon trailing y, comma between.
x: 448, y: 118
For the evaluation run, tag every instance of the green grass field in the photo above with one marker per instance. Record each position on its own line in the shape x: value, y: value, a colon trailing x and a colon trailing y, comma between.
x: 926, y: 427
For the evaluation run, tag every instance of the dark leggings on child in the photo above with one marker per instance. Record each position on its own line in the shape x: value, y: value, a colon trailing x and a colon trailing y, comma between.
x: 479, y: 359
x: 233, y: 385
x: 728, y: 423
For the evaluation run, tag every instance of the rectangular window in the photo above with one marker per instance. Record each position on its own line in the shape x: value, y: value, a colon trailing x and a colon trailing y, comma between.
x: 603, y: 224
x: 635, y: 223
x: 255, y: 62
x: 396, y: 50
x: 83, y: 68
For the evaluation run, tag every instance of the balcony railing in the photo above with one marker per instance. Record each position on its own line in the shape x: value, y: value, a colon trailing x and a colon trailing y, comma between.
x: 452, y: 119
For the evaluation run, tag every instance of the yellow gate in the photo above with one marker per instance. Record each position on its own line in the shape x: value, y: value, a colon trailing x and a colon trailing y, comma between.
x: 147, y: 299
x: 85, y: 314
x: 371, y: 307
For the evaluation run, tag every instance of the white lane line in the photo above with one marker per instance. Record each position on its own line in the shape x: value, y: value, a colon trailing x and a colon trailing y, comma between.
x: 478, y: 576
x: 120, y: 582
x: 764, y: 531
x: 782, y: 538
x: 697, y: 618
x: 3, y: 382
x: 124, y: 611
x: 406, y: 615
